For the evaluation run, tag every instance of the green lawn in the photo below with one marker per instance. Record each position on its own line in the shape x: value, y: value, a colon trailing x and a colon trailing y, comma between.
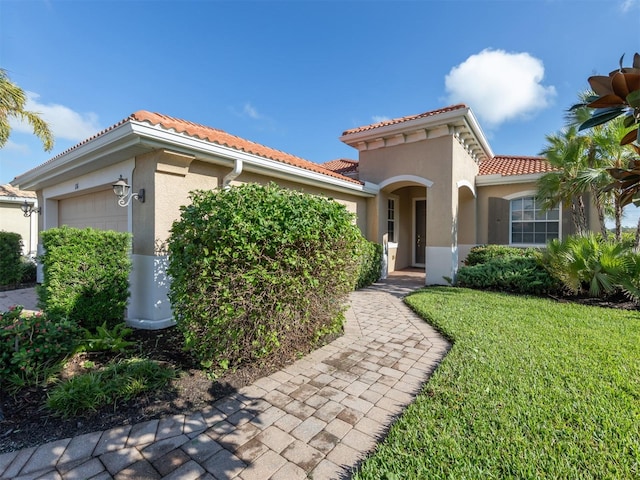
x: 532, y: 388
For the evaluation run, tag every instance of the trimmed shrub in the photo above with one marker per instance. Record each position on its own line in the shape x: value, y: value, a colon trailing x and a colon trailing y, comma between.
x: 370, y: 264
x: 523, y: 274
x: 10, y: 258
x: 260, y: 271
x: 86, y: 275
x: 483, y: 253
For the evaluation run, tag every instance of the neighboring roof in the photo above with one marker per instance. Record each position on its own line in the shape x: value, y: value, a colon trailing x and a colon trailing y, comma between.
x: 395, y: 121
x: 208, y: 134
x: 342, y: 166
x: 8, y: 190
x: 514, y: 165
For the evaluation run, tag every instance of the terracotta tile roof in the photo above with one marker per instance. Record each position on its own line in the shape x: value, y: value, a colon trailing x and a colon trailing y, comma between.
x: 221, y: 137
x: 213, y: 135
x: 514, y: 165
x: 342, y: 166
x: 7, y: 190
x: 404, y: 119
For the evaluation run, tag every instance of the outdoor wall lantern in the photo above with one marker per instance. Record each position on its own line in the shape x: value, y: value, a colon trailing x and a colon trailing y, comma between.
x: 121, y: 189
x: 28, y: 210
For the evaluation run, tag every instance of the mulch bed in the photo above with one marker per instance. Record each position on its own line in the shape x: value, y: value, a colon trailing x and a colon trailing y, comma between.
x: 27, y: 422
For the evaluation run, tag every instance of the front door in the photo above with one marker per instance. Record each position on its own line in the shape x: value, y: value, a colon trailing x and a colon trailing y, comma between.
x: 420, y: 232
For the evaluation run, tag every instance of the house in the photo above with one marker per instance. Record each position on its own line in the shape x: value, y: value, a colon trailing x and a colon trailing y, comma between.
x: 13, y: 218
x: 428, y: 187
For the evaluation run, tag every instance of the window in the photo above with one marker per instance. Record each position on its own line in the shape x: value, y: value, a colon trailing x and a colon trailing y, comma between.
x: 391, y: 220
x: 530, y: 225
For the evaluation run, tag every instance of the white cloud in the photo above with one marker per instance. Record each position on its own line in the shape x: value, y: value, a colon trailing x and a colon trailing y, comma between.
x: 380, y: 118
x: 250, y: 111
x: 64, y: 122
x: 628, y: 5
x: 14, y: 147
x: 500, y: 86
x: 263, y: 122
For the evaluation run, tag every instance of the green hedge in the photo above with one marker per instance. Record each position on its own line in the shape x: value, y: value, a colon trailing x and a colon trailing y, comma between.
x: 520, y: 274
x: 86, y: 275
x: 10, y: 258
x: 260, y: 272
x: 483, y: 253
x: 370, y: 264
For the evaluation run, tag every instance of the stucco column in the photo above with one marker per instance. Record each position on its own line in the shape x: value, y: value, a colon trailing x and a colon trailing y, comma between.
x: 164, y: 175
x: 442, y: 248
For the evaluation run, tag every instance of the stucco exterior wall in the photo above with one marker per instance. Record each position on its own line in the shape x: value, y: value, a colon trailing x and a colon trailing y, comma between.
x: 13, y: 220
x: 429, y: 159
x: 500, y: 191
x: 464, y: 172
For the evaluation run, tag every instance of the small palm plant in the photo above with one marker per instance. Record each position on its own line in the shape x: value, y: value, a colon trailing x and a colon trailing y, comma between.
x: 589, y: 265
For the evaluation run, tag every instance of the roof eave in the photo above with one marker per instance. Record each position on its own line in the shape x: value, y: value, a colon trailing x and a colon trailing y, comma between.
x: 213, y: 153
x: 498, y: 179
x: 445, y: 118
x: 134, y: 138
x: 110, y: 147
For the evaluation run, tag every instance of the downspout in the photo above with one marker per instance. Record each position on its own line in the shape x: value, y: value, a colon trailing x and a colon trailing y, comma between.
x: 233, y: 174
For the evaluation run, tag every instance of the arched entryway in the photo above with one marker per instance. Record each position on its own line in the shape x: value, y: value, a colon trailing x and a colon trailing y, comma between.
x: 403, y: 222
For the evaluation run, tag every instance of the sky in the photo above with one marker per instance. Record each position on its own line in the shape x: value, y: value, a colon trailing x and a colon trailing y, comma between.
x: 293, y: 75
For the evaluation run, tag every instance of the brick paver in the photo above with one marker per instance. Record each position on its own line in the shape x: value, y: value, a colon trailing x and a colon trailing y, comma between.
x: 313, y: 419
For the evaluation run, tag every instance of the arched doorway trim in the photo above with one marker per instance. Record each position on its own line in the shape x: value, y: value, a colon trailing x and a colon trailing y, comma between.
x: 406, y: 178
x: 468, y: 184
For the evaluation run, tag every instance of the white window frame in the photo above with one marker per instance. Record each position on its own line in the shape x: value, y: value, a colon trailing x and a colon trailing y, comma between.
x: 520, y: 196
x: 396, y: 223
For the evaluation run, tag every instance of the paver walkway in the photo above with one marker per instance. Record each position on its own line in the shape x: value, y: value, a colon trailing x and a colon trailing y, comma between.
x: 314, y: 419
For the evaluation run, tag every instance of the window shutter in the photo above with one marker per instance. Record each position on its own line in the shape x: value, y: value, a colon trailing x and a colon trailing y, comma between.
x: 499, y: 221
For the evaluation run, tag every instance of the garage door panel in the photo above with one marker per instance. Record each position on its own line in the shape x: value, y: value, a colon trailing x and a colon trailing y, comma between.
x: 96, y: 210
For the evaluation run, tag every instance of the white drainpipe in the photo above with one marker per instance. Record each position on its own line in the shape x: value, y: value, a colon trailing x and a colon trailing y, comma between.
x: 231, y: 176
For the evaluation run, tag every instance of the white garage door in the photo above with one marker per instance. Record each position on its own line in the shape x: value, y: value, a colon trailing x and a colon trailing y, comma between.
x: 97, y: 210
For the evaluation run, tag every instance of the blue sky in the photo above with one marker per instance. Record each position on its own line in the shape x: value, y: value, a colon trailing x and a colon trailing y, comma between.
x: 293, y: 75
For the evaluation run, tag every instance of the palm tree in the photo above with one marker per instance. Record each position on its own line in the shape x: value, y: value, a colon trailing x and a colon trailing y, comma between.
x: 565, y: 152
x: 12, y: 105
x: 604, y: 150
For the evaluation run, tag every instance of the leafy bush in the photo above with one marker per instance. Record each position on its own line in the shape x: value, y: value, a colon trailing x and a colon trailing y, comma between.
x: 86, y: 275
x: 28, y: 270
x: 589, y: 265
x: 259, y: 271
x: 118, y: 381
x: 10, y: 255
x: 523, y: 274
x: 30, y: 343
x: 370, y: 263
x: 104, y: 339
x: 483, y: 253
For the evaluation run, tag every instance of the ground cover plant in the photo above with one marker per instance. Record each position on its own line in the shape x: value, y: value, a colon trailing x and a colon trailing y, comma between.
x: 532, y: 388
